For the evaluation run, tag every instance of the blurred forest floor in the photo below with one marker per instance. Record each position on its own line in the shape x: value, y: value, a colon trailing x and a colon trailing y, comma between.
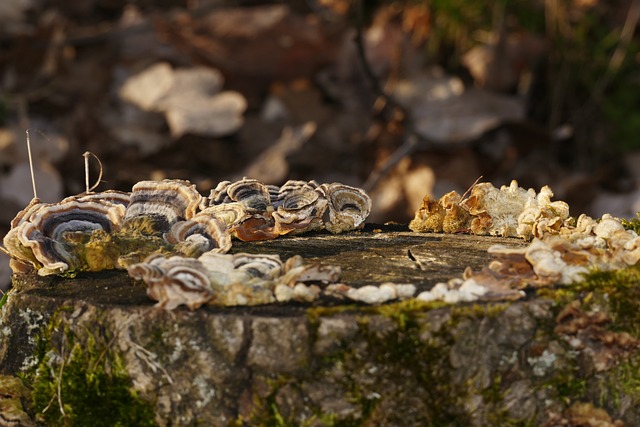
x: 404, y: 98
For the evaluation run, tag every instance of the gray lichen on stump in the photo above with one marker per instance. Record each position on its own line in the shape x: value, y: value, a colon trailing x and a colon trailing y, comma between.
x: 326, y: 364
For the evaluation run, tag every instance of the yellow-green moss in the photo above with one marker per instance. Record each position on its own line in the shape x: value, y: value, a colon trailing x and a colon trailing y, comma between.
x: 618, y: 294
x: 404, y: 352
x: 622, y: 290
x: 83, y: 382
x: 623, y: 381
x: 265, y: 411
x: 5, y: 297
x: 632, y: 224
x: 399, y: 311
x: 618, y: 291
x: 476, y: 310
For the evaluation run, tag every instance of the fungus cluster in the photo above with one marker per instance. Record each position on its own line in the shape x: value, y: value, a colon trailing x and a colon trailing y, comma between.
x: 562, y: 249
x: 508, y: 212
x: 231, y: 279
x: 167, y: 234
x: 177, y: 241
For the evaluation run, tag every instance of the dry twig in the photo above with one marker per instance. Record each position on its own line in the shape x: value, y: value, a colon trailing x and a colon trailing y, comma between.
x: 389, y: 108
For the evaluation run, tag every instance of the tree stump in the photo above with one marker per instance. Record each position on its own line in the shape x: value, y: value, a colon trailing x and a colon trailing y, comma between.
x: 94, y: 349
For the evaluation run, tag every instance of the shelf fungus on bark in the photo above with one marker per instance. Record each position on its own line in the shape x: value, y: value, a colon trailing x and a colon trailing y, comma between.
x: 112, y: 229
x: 562, y: 258
x: 198, y: 235
x: 295, y: 207
x: 251, y: 279
x: 156, y: 205
x: 22, y: 258
x: 562, y: 251
x: 51, y: 237
x: 349, y: 207
x: 509, y: 212
x: 300, y: 210
x: 230, y: 279
x: 174, y: 281
x: 371, y: 294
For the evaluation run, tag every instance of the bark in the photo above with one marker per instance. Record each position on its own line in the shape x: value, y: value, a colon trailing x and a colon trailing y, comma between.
x: 538, y: 360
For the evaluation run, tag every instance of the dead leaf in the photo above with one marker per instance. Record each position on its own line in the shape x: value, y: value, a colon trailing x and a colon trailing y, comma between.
x: 215, y: 116
x: 12, y: 16
x: 16, y: 185
x: 445, y: 112
x: 271, y: 165
x: 148, y: 87
x: 189, y: 99
x: 499, y: 66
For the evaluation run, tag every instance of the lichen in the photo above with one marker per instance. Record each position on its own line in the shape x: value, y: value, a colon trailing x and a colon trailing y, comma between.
x: 32, y: 321
x: 543, y: 363
x: 205, y: 389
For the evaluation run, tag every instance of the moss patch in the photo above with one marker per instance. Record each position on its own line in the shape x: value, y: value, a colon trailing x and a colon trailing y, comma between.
x: 617, y: 292
x: 394, y: 344
x: 622, y: 290
x: 632, y: 224
x: 615, y: 295
x: 83, y: 382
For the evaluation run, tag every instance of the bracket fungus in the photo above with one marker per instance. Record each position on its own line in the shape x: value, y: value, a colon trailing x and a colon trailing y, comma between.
x: 156, y: 205
x: 176, y: 241
x: 50, y: 236
x: 562, y: 249
x: 174, y: 281
x: 167, y: 234
x: 508, y: 212
x: 231, y: 279
x: 267, y: 211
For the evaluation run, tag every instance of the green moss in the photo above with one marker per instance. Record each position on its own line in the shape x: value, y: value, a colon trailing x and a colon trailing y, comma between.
x: 5, y: 297
x: 618, y: 294
x: 402, y: 350
x: 266, y: 412
x: 491, y: 310
x: 621, y: 381
x: 399, y: 351
x: 273, y: 416
x: 82, y: 381
x: 404, y: 311
x: 493, y: 395
x: 617, y: 290
x: 407, y: 351
x: 398, y: 311
x: 569, y: 384
x: 632, y: 224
